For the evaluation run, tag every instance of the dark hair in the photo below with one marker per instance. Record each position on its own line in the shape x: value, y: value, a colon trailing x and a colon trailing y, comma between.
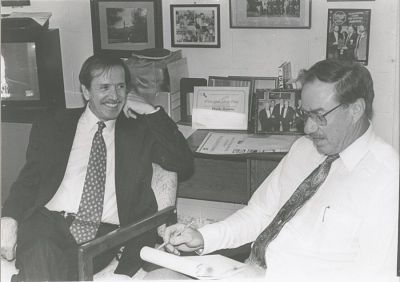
x: 101, y: 63
x: 352, y: 81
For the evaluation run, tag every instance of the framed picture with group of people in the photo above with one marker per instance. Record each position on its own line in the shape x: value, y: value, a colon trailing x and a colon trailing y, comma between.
x: 279, y: 112
x: 348, y: 34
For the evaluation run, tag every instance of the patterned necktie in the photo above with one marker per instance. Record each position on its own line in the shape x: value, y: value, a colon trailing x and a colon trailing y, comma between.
x: 87, y: 221
x: 302, y: 194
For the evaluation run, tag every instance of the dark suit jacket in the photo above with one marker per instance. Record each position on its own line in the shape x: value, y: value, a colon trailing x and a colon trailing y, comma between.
x: 287, y: 119
x: 138, y: 143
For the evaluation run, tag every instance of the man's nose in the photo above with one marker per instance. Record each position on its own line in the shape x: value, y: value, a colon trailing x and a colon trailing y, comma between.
x: 114, y: 91
x: 310, y: 126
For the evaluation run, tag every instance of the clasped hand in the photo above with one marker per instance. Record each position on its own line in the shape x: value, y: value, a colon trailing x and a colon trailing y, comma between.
x: 178, y: 238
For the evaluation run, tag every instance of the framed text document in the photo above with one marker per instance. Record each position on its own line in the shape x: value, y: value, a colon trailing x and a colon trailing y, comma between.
x: 220, y: 108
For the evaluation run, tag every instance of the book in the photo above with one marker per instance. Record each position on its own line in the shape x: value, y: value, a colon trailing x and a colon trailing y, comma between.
x: 200, y: 267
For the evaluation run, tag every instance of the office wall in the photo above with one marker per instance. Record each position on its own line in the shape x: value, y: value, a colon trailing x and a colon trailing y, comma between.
x: 255, y: 52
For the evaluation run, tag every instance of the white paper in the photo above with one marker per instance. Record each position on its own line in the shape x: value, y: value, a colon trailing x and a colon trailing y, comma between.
x: 211, y: 119
x: 242, y: 143
x: 201, y: 267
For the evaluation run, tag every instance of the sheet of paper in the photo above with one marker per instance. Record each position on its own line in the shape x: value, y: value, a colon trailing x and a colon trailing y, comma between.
x: 211, y: 119
x: 201, y: 267
x: 242, y: 143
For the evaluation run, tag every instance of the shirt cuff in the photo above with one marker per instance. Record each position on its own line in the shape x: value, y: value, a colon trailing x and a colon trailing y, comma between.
x: 156, y: 110
x: 210, y: 238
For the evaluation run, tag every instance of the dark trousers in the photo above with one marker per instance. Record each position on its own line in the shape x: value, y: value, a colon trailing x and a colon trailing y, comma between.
x: 47, y: 251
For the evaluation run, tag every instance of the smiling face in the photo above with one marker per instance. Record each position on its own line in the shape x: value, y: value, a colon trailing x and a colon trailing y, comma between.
x: 107, y: 93
x: 319, y: 97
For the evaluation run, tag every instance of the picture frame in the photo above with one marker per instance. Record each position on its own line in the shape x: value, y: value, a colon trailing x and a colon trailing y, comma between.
x: 195, y: 26
x: 122, y: 26
x: 269, y: 14
x: 347, y: 0
x: 15, y: 3
x: 279, y: 112
x: 348, y: 34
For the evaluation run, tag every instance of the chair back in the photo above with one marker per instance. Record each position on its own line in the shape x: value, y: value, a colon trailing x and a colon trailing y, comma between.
x: 165, y: 186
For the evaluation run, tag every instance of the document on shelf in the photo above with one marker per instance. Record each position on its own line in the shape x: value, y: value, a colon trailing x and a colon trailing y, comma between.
x: 201, y: 267
x: 241, y: 143
x: 220, y: 107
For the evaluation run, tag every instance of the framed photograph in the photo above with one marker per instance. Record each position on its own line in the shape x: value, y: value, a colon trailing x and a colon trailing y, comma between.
x: 195, y: 26
x: 15, y: 3
x: 270, y: 14
x: 279, y: 112
x: 348, y: 34
x: 121, y: 26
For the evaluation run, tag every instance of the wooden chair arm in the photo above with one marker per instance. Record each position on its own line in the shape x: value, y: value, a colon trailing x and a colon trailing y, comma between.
x: 89, y: 250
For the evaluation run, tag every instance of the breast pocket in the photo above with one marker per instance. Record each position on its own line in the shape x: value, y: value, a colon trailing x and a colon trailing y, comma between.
x: 336, y: 231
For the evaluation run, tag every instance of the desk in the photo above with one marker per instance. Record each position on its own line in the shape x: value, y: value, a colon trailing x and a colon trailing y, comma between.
x: 226, y: 178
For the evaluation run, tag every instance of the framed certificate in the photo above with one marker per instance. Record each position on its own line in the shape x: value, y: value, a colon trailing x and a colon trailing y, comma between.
x: 220, y: 108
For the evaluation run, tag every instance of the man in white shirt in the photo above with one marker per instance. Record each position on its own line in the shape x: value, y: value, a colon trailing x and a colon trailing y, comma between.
x: 87, y: 172
x: 347, y: 231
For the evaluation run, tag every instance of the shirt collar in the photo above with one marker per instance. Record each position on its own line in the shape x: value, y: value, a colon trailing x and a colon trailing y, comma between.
x: 90, y: 120
x: 353, y: 154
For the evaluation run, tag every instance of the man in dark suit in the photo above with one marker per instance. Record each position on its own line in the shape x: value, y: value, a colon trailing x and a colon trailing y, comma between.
x: 350, y: 43
x: 335, y: 42
x: 43, y: 220
x: 287, y: 115
x: 266, y: 117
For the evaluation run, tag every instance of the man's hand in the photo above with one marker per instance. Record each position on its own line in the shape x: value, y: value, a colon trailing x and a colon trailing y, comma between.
x: 136, y: 104
x: 9, y: 227
x: 179, y: 238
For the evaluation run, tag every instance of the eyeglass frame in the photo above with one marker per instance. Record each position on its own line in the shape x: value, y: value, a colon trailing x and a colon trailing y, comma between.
x: 318, y: 118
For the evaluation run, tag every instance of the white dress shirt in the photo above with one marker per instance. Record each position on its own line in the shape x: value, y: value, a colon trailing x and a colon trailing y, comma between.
x: 68, y: 195
x: 349, y: 227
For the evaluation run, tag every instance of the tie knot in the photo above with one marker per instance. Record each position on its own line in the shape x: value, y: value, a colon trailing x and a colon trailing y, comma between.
x: 101, y: 126
x: 331, y: 158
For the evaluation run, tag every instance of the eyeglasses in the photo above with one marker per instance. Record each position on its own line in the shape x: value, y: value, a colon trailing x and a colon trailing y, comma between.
x: 318, y: 118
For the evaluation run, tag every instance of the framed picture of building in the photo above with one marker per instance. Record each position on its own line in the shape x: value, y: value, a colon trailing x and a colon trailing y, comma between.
x: 348, y: 34
x: 195, y: 26
x: 121, y: 26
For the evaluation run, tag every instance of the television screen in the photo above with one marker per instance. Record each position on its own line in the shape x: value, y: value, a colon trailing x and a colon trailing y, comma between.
x: 19, y: 72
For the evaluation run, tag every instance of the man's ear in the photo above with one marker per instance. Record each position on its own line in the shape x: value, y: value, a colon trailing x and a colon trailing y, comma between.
x: 85, y: 92
x: 358, y: 109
